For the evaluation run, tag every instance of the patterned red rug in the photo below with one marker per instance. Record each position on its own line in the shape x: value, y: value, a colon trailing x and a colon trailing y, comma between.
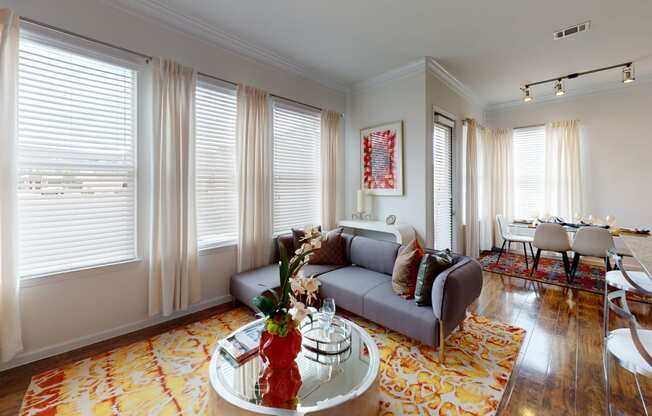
x: 588, y: 277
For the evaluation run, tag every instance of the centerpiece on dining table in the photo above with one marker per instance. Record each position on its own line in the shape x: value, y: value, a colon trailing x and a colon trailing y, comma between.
x: 280, y: 341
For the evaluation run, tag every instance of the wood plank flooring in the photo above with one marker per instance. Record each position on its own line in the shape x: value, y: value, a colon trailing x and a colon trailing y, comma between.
x: 558, y: 370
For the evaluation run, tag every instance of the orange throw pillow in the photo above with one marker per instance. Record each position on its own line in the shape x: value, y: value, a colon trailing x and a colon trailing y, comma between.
x: 406, y: 268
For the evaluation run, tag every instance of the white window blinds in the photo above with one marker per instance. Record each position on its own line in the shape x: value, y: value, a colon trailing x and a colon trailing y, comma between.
x: 297, y: 176
x: 528, y: 158
x: 76, y: 161
x: 442, y: 155
x: 217, y: 198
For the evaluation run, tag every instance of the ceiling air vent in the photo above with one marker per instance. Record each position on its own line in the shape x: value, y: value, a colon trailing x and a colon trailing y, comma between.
x: 572, y: 30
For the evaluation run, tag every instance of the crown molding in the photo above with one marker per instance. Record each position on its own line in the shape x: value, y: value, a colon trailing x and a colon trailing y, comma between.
x: 441, y: 73
x: 571, y: 94
x: 413, y: 68
x: 156, y: 11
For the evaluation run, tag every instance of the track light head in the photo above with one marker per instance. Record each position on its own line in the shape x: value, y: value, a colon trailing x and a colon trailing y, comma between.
x: 628, y: 74
x: 559, y: 88
x: 527, y: 97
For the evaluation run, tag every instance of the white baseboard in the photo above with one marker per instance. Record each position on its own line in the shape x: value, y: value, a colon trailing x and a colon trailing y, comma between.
x: 49, y: 351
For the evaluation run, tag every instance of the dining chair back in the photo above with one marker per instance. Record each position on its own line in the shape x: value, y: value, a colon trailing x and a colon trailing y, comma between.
x: 592, y: 242
x: 552, y: 237
x: 502, y: 226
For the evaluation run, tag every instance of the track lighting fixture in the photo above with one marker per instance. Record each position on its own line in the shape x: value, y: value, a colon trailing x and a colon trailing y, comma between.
x: 628, y: 74
x: 559, y: 88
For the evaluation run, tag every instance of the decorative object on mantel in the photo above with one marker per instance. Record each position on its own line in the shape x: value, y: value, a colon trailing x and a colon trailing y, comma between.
x: 382, y: 159
x: 390, y: 219
x: 360, y: 213
x: 403, y: 233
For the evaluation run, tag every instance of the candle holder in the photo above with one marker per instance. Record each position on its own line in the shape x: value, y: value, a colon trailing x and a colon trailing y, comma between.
x: 362, y: 215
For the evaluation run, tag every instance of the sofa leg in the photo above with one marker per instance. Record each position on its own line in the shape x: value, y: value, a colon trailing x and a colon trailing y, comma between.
x: 442, y: 339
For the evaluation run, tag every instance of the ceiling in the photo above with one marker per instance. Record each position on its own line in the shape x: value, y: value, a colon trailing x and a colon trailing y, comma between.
x: 493, y: 47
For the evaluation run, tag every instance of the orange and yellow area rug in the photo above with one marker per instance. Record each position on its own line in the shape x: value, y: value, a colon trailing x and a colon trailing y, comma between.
x: 168, y: 374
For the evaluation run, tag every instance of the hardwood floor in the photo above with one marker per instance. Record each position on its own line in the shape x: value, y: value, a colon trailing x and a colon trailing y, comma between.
x: 558, y: 370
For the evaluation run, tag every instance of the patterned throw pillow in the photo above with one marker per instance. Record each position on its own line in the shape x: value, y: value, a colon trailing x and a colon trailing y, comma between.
x: 406, y: 267
x: 331, y: 250
x: 298, y: 234
x: 432, y: 264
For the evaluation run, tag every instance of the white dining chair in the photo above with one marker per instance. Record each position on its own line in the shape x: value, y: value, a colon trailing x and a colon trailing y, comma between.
x: 632, y: 348
x: 592, y: 242
x: 509, y: 238
x: 552, y: 237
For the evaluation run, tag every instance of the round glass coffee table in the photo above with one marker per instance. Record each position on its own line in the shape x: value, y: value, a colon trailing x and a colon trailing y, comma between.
x: 346, y: 383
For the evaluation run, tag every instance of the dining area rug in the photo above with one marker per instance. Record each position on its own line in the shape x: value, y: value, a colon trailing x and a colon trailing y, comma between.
x: 589, y: 277
x: 168, y: 374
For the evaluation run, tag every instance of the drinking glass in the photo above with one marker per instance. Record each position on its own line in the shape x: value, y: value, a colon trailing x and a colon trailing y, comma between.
x: 327, y: 312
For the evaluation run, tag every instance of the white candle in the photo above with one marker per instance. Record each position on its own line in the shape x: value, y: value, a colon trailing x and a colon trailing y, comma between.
x: 360, y: 200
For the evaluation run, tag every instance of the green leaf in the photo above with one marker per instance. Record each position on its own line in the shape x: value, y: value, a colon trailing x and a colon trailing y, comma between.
x: 264, y: 304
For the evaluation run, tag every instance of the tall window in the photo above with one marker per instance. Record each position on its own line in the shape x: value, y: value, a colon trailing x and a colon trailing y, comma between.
x: 442, y: 180
x: 297, y: 176
x: 217, y: 212
x: 76, y: 160
x: 528, y: 157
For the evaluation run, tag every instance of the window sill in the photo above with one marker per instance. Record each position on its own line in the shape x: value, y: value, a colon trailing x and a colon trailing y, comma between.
x: 79, y: 273
x: 217, y: 247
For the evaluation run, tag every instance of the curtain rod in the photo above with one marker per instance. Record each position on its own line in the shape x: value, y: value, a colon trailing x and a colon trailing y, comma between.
x: 147, y: 58
x: 272, y: 95
x: 67, y: 32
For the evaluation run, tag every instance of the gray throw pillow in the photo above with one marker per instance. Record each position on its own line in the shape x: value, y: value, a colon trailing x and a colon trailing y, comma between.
x: 431, y: 265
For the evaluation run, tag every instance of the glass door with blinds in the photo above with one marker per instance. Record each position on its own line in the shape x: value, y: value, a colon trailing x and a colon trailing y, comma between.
x: 442, y: 180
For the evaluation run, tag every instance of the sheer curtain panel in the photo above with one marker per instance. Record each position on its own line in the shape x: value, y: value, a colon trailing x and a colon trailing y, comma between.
x: 330, y: 139
x: 563, y: 181
x: 174, y: 278
x: 10, y: 332
x: 472, y: 214
x: 495, y: 185
x: 254, y: 173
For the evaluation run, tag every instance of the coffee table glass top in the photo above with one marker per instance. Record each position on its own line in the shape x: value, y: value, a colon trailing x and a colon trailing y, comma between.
x: 326, y: 380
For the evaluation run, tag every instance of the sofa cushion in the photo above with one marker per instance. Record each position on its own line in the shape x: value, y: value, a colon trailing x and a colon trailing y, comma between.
x: 375, y: 255
x: 247, y: 285
x: 431, y: 265
x: 348, y: 286
x: 332, y: 250
x: 382, y: 306
x: 406, y: 267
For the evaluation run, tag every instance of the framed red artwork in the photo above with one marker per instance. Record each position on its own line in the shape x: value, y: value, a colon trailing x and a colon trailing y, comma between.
x: 382, y: 159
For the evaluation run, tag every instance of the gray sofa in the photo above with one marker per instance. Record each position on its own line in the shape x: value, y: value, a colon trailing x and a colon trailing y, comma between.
x: 364, y: 287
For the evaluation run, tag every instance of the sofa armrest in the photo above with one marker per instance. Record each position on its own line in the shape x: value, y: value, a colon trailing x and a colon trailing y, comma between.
x: 455, y: 289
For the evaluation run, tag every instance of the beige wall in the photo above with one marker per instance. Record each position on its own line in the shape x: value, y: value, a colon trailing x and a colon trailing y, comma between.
x: 402, y: 99
x: 412, y: 99
x: 616, y: 147
x: 62, y: 312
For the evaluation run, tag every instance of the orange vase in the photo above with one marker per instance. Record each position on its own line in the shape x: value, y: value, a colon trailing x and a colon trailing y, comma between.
x: 280, y: 352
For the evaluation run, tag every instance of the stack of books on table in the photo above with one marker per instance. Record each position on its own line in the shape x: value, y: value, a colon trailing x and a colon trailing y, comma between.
x: 240, y: 346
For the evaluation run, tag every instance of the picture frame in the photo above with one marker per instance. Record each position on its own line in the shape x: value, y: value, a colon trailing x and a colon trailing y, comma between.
x: 381, y: 159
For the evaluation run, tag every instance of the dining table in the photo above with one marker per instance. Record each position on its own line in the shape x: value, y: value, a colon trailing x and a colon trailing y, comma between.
x: 639, y: 245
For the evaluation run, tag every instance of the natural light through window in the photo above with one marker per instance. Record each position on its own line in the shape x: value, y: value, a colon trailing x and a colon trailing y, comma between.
x: 76, y: 161
x: 528, y: 157
x: 297, y: 170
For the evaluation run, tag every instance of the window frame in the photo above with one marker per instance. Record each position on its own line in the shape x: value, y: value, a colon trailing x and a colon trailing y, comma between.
x: 88, y: 49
